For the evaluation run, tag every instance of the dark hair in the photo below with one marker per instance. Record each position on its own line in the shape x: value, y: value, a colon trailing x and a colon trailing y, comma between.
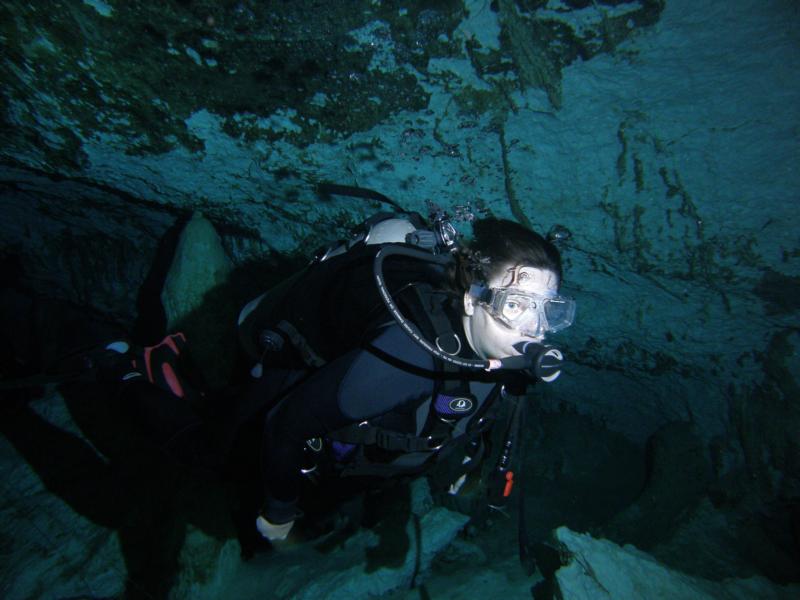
x: 499, y: 243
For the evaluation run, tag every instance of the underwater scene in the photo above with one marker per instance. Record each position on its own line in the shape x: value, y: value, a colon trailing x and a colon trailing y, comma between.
x: 424, y: 299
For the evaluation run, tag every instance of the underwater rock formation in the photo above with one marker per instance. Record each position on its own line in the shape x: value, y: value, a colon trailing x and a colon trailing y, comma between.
x: 199, y: 265
x: 195, y: 300
x: 661, y: 133
x: 57, y: 551
x: 310, y: 570
x: 596, y: 569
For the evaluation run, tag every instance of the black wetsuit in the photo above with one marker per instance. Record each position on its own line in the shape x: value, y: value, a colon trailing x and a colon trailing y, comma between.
x: 391, y: 377
x: 364, y: 367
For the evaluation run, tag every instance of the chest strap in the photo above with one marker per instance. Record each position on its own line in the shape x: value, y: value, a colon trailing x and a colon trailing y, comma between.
x: 394, y: 441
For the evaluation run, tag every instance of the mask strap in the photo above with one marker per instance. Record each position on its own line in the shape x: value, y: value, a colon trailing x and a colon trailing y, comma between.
x: 481, y: 293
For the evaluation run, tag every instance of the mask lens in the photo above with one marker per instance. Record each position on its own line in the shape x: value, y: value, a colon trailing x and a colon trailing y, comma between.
x: 514, y: 307
x: 560, y: 313
x: 532, y: 314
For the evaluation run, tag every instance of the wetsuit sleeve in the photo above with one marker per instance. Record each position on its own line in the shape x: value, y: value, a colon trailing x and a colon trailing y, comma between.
x: 359, y: 385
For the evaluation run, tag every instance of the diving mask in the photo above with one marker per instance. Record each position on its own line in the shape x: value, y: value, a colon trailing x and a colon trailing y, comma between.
x: 531, y: 314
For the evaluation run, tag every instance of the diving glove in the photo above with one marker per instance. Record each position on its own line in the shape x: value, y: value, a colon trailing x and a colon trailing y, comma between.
x: 157, y: 364
x: 271, y: 531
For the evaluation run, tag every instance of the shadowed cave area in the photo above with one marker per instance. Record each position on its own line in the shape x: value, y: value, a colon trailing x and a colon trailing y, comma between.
x: 164, y: 163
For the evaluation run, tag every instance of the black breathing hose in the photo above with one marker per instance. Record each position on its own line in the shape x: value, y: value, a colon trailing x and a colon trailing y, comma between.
x: 407, y: 326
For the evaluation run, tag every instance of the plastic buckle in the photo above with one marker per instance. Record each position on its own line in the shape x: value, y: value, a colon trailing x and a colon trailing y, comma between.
x: 431, y: 440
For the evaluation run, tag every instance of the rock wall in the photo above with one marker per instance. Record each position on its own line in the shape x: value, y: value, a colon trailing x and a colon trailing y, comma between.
x: 659, y: 133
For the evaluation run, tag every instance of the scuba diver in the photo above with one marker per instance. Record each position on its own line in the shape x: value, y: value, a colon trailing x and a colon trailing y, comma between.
x: 389, y: 352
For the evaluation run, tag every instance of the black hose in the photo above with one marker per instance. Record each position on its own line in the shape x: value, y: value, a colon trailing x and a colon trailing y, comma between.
x: 407, y: 326
x: 326, y: 190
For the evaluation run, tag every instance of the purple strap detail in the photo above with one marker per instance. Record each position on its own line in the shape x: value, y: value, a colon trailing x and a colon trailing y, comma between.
x: 442, y: 404
x: 453, y: 406
x: 342, y: 450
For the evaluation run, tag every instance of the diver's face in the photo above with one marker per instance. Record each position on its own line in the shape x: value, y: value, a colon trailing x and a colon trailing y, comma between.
x: 488, y: 336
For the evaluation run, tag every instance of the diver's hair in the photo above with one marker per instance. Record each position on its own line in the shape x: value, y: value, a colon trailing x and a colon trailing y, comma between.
x: 499, y: 243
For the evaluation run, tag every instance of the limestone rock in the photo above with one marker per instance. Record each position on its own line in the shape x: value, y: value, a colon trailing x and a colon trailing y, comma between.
x: 204, y: 565
x: 51, y: 547
x: 347, y: 573
x: 199, y: 265
x: 196, y: 300
x: 597, y: 569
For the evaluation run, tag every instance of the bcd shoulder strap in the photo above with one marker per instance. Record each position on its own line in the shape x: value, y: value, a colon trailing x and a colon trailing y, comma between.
x: 436, y: 415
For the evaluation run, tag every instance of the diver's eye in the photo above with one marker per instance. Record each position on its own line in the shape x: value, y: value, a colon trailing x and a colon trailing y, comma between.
x: 512, y: 308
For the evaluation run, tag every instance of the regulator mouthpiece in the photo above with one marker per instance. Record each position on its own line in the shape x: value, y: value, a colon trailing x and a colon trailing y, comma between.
x: 543, y: 362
